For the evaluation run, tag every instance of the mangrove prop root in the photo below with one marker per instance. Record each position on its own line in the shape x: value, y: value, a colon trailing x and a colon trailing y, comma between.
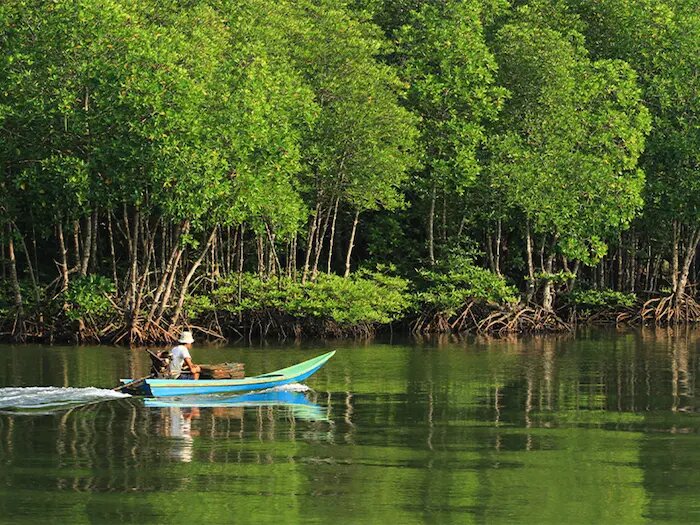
x: 669, y: 310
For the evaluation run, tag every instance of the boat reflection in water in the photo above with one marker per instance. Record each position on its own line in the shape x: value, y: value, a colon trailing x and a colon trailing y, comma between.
x: 179, y: 413
x: 296, y: 402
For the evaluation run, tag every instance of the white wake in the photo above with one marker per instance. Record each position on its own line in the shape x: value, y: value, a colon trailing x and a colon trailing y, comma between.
x: 43, y: 397
x: 291, y: 387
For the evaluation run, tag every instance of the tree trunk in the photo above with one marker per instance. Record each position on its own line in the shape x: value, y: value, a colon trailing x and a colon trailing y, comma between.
x: 489, y: 249
x: 190, y: 274
x: 548, y: 289
x: 169, y: 270
x: 30, y: 267
x: 14, y: 280
x: 690, y: 249
x: 319, y: 243
x: 93, y: 251
x: 63, y: 254
x: 87, y: 247
x: 273, y: 251
x: 309, y: 243
x: 620, y: 265
x: 150, y: 250
x: 76, y: 244
x: 431, y: 228
x: 530, y: 265
x: 443, y: 230
x: 674, y: 258
x: 112, y: 253
x: 330, y: 245
x: 240, y: 271
x: 497, y: 256
x: 261, y: 256
x: 294, y: 257
x: 35, y: 250
x: 351, y: 244
x: 133, y: 266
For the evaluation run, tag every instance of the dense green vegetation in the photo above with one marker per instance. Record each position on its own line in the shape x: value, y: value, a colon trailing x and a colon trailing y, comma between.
x: 232, y: 165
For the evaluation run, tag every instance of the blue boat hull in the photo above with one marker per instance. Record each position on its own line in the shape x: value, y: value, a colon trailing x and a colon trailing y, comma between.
x: 188, y: 387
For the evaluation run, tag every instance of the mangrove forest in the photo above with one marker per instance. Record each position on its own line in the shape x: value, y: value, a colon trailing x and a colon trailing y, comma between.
x: 333, y: 168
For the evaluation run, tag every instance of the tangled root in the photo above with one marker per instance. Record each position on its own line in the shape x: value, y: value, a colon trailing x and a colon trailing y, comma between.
x: 524, y: 319
x: 668, y: 310
x: 466, y: 319
x: 483, y: 320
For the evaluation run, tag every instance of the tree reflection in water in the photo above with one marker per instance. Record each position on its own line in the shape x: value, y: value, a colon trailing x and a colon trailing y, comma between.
x: 600, y: 427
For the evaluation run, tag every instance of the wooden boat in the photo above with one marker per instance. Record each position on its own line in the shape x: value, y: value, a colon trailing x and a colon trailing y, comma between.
x: 188, y: 387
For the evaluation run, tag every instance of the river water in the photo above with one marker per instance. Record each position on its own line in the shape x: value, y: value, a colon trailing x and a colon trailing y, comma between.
x: 598, y: 428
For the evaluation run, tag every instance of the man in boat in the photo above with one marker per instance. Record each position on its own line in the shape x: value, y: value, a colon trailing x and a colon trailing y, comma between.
x: 181, y: 355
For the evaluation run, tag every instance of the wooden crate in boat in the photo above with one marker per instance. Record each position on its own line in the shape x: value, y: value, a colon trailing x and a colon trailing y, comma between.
x: 222, y: 371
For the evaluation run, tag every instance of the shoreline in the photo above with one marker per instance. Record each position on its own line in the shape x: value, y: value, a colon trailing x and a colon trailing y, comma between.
x: 470, y: 321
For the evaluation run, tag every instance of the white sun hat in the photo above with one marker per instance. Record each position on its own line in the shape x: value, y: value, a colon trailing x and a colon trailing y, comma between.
x: 186, y: 337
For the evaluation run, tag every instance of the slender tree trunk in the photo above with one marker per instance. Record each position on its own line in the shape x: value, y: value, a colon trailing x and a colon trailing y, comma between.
x: 431, y: 228
x: 572, y: 282
x: 655, y: 273
x: 319, y: 244
x: 133, y: 266
x: 150, y: 249
x: 261, y: 255
x: 309, y: 242
x: 498, y: 248
x: 443, y: 232
x: 30, y: 267
x: 294, y: 256
x: 689, y: 254
x: 232, y: 248
x: 548, y: 289
x: 530, y: 265
x: 273, y: 251
x: 76, y: 244
x: 674, y: 257
x: 351, y: 244
x: 35, y: 251
x: 93, y: 252
x: 240, y: 271
x: 633, y: 264
x: 87, y: 246
x: 330, y: 245
x: 14, y: 280
x: 63, y: 254
x: 169, y: 286
x: 489, y: 249
x: 647, y: 277
x: 190, y: 274
x: 112, y: 253
x: 620, y: 265
x: 169, y: 270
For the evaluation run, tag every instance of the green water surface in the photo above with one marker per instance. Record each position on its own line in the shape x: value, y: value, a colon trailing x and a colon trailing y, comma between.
x: 598, y: 428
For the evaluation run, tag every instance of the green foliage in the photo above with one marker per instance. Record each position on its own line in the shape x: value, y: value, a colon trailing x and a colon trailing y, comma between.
x: 459, y: 282
x: 571, y: 134
x: 364, y: 298
x: 556, y: 278
x: 594, y: 299
x: 661, y: 40
x: 89, y: 297
x: 451, y: 73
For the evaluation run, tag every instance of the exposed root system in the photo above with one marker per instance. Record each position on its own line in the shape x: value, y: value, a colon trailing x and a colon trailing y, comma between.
x: 524, y: 319
x: 667, y: 310
x: 481, y: 319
